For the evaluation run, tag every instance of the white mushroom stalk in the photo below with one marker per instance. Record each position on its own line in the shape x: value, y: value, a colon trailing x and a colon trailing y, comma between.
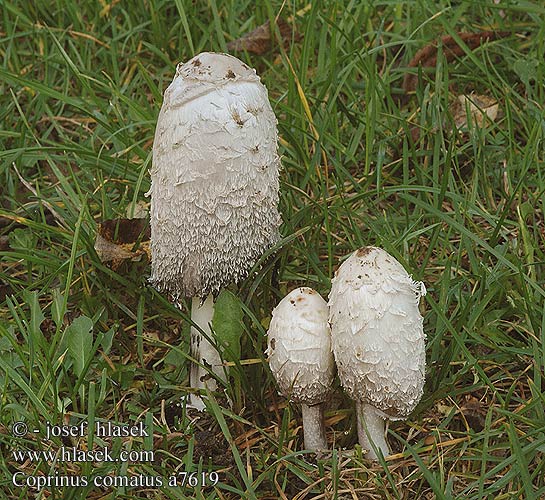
x: 378, y: 341
x: 300, y: 358
x: 214, y: 189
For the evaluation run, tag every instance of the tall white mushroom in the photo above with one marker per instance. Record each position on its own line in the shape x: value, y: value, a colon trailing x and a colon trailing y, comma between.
x: 300, y: 358
x: 378, y: 341
x: 214, y: 190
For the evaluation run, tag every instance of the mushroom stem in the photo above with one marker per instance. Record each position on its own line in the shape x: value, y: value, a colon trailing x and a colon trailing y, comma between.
x: 371, y: 431
x: 203, y: 351
x: 313, y: 427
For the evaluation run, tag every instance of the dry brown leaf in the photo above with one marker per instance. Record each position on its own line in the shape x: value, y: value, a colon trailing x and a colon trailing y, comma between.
x: 260, y: 40
x: 122, y: 239
x: 474, y: 109
x: 427, y: 56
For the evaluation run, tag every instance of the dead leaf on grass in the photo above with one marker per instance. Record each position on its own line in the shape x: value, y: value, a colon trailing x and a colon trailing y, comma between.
x: 260, y: 40
x: 426, y: 57
x: 474, y: 109
x: 122, y: 239
x: 469, y: 112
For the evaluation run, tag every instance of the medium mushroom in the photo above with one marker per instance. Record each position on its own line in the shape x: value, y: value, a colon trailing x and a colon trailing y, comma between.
x: 300, y: 358
x: 378, y: 341
x: 214, y: 191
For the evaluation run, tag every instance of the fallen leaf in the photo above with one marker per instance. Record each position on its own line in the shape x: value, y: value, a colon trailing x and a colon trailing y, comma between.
x: 427, y: 56
x: 261, y: 39
x: 122, y: 239
x: 468, y: 110
x: 474, y: 109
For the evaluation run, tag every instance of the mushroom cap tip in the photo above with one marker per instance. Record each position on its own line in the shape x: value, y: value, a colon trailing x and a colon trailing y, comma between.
x: 215, y: 67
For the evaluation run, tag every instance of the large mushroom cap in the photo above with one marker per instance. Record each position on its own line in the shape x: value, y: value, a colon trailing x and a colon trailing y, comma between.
x: 377, y: 332
x: 299, y: 347
x: 214, y: 177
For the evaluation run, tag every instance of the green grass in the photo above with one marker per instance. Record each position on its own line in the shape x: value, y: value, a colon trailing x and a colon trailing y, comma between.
x: 80, y: 91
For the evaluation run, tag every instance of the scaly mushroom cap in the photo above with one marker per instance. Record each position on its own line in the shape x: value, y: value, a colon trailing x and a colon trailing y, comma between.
x: 214, y: 189
x: 299, y: 347
x: 377, y: 333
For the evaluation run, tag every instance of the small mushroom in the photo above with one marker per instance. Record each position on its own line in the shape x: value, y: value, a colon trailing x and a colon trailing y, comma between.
x: 214, y: 191
x: 378, y: 341
x: 300, y: 358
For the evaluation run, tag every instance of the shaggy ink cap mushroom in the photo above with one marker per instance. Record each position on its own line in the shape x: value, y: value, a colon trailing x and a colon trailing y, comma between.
x: 300, y: 358
x: 214, y: 177
x: 214, y: 191
x: 378, y: 340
